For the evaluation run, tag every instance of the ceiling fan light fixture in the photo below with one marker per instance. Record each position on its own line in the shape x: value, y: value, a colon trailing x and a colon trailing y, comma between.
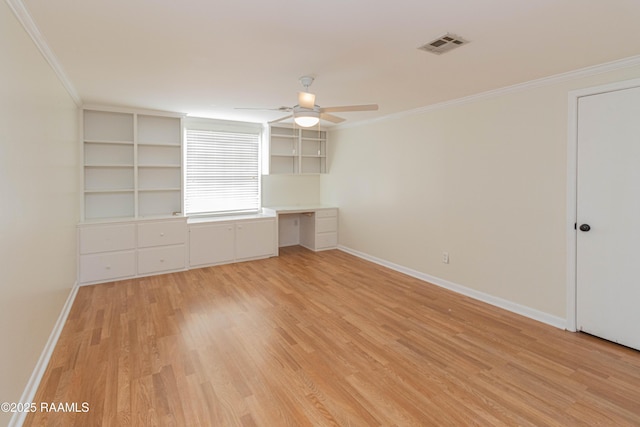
x: 306, y: 99
x: 306, y: 119
x: 307, y: 114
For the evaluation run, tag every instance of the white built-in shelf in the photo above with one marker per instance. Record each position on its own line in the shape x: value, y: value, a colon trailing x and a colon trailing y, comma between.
x: 108, y: 165
x: 108, y: 126
x: 103, y: 141
x: 297, y: 151
x: 124, y: 190
x: 170, y: 147
x: 276, y: 133
x: 158, y: 130
x: 132, y: 164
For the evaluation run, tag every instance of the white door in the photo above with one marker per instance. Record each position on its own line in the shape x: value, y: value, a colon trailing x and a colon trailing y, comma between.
x: 608, y: 215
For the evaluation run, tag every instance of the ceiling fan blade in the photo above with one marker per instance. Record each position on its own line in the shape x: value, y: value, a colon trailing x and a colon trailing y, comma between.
x: 306, y: 100
x: 331, y: 118
x: 281, y: 119
x: 366, y: 107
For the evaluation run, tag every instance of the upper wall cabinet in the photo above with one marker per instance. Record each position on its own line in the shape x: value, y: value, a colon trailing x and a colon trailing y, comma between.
x: 297, y: 151
x: 132, y: 164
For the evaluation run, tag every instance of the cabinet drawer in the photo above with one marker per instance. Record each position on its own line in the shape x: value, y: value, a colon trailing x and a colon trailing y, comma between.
x: 103, y: 267
x: 167, y: 258
x: 326, y: 240
x: 161, y: 233
x: 324, y: 225
x: 105, y: 238
x: 326, y: 213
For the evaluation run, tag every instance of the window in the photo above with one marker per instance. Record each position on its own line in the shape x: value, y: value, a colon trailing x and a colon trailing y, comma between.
x: 222, y: 170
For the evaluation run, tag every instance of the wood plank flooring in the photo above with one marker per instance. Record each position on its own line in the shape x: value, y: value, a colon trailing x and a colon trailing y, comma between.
x: 323, y: 339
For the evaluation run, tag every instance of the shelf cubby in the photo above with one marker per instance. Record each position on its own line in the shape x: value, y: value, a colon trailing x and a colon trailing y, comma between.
x: 297, y: 151
x: 108, y: 178
x: 155, y: 177
x: 159, y: 202
x: 109, y: 204
x: 132, y: 164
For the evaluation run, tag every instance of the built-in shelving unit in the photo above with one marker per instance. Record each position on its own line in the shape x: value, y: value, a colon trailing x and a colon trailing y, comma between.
x: 132, y: 164
x: 297, y: 151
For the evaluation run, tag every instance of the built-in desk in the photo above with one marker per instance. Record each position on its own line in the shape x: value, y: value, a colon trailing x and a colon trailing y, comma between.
x: 313, y: 226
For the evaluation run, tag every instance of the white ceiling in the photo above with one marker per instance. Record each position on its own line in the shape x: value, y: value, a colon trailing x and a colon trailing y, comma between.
x: 205, y: 57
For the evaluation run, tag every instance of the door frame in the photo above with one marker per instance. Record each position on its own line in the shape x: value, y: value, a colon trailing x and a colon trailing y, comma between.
x: 572, y: 189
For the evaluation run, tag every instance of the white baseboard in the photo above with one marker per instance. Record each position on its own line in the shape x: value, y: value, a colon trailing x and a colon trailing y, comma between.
x: 513, y: 307
x: 36, y: 376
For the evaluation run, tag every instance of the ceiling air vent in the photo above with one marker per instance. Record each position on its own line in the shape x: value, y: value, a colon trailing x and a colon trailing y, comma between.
x: 443, y: 44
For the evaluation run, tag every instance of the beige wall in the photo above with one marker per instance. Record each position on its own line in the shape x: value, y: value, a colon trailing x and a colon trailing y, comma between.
x: 287, y: 190
x: 484, y: 180
x: 38, y: 204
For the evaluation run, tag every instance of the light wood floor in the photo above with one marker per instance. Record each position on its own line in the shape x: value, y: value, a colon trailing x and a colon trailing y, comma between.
x: 323, y: 339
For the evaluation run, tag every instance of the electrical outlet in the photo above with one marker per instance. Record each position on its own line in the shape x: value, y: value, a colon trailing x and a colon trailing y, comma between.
x: 445, y: 257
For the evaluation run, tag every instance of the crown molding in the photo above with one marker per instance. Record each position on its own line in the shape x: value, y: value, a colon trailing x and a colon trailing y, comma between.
x: 132, y: 110
x: 545, y: 81
x: 23, y: 16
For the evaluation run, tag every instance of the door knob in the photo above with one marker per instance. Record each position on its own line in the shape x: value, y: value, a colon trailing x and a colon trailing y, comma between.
x: 585, y: 227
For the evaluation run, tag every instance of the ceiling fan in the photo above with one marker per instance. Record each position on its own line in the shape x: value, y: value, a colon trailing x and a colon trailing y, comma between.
x: 306, y: 113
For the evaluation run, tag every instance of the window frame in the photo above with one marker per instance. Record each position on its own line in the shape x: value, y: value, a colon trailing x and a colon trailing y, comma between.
x: 225, y: 126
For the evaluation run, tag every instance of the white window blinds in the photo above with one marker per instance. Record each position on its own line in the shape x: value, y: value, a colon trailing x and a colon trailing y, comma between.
x: 222, y: 171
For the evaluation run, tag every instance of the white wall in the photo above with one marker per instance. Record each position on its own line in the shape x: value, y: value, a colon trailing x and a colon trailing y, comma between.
x: 288, y: 190
x: 39, y: 204
x: 484, y: 180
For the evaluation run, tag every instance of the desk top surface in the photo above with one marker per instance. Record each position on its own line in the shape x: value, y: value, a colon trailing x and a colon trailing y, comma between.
x: 298, y: 208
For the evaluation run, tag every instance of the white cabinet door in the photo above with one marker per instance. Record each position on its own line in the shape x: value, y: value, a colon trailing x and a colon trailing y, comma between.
x: 211, y: 244
x: 255, y: 239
